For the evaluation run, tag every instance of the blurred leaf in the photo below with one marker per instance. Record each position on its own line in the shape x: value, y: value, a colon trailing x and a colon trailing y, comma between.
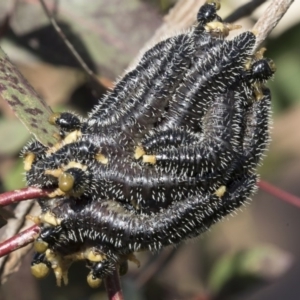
x: 103, y: 32
x: 13, y: 136
x: 5, y: 8
x: 56, y: 84
x: 23, y: 99
x: 242, y: 270
x: 3, y: 221
x: 14, y: 179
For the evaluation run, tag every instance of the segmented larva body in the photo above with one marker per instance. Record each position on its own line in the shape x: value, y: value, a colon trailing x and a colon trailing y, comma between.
x: 166, y: 154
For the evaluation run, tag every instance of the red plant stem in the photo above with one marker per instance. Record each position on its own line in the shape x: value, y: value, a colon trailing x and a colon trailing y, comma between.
x: 19, y: 240
x: 283, y: 195
x: 113, y: 286
x: 21, y: 195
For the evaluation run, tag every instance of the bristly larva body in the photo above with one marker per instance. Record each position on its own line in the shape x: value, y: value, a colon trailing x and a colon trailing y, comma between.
x: 166, y: 154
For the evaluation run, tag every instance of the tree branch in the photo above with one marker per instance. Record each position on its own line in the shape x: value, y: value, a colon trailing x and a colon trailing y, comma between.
x: 269, y: 19
x: 184, y: 13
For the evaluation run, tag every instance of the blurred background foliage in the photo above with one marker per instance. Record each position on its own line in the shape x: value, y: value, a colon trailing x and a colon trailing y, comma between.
x: 256, y: 254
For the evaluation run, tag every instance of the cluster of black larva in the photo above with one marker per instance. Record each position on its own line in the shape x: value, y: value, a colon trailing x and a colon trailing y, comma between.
x: 166, y: 154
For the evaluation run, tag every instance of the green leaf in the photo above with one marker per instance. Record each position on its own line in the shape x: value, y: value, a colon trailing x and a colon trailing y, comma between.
x: 25, y: 102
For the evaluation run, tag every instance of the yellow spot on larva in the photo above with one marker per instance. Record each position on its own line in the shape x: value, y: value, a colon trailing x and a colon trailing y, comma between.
x: 220, y: 191
x: 101, y: 158
x: 139, y: 152
x: 151, y: 159
x: 55, y: 172
x: 74, y: 164
x: 28, y: 161
x: 70, y: 138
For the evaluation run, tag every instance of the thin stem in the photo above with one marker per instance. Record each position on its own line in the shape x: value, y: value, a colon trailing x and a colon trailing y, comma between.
x: 19, y: 240
x: 113, y: 286
x: 283, y: 195
x: 21, y: 195
x: 67, y: 43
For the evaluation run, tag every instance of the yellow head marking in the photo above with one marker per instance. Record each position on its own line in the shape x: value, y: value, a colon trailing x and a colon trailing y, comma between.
x: 93, y: 282
x: 40, y: 270
x: 66, y: 182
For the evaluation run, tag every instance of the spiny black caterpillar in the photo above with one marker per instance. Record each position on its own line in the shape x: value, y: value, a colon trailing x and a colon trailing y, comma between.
x: 166, y: 154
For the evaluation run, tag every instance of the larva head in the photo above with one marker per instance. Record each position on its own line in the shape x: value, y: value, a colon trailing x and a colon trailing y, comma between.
x: 65, y: 121
x: 208, y: 12
x: 263, y: 69
x: 68, y: 169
